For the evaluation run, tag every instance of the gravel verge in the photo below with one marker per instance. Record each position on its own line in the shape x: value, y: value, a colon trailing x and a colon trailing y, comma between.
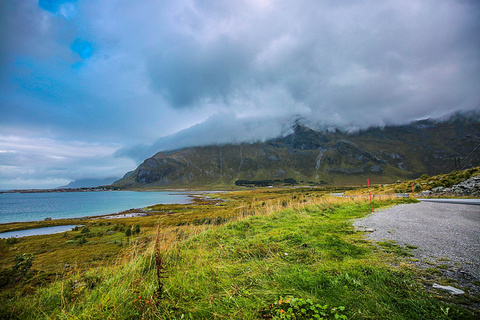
x: 446, y: 235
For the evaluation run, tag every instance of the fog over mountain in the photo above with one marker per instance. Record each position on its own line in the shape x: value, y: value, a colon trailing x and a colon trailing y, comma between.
x: 306, y: 156
x: 112, y: 81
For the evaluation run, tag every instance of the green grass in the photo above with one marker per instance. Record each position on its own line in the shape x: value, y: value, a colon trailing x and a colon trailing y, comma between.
x: 271, y: 250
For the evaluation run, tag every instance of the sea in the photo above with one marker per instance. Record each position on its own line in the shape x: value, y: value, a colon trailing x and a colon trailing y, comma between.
x: 20, y: 207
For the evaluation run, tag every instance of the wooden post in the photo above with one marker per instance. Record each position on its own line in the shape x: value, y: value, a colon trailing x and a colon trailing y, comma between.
x: 370, y: 193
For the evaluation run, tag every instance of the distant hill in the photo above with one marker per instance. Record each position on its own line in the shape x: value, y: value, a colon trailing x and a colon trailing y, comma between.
x: 314, y: 157
x: 89, y: 183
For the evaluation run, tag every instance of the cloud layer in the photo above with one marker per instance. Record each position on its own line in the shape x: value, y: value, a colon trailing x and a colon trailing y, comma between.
x: 46, y: 163
x: 121, y: 73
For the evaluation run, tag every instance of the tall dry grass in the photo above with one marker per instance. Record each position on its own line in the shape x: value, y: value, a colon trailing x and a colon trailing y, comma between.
x: 166, y: 244
x: 299, y: 203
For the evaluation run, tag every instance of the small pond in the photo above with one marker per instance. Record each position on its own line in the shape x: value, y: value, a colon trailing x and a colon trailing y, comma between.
x: 35, y: 232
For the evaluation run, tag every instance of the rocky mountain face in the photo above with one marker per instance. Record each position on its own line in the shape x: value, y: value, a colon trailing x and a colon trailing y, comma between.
x: 314, y: 157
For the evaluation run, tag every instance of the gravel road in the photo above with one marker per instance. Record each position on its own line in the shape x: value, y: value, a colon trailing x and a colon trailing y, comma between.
x: 446, y: 234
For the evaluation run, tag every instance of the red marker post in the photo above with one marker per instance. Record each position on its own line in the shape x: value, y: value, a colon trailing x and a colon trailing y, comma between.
x: 370, y: 193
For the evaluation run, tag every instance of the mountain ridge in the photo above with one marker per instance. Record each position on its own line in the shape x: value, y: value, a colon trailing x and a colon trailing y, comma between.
x: 310, y: 156
x: 89, y: 183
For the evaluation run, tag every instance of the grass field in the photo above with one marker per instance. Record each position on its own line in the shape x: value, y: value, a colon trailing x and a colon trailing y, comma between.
x: 268, y: 254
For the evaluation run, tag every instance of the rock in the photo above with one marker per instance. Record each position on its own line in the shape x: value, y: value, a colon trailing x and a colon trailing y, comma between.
x: 425, y: 193
x: 48, y: 219
x: 448, y: 289
x: 402, y: 195
x: 438, y: 189
x: 469, y: 187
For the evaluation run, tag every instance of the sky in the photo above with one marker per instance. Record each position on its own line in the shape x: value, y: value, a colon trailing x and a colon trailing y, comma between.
x: 89, y: 89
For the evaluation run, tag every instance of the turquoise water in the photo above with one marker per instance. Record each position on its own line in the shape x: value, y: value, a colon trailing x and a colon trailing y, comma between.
x: 19, y: 207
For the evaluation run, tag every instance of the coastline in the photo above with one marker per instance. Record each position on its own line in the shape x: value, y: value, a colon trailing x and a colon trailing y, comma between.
x: 41, y: 207
x: 194, y: 198
x: 95, y: 189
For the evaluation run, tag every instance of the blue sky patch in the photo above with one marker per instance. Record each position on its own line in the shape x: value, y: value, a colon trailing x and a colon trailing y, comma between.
x: 83, y: 48
x: 65, y: 8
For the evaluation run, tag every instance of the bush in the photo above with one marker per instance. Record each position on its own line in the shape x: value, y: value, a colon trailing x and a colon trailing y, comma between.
x: 23, y: 263
x: 13, y: 240
x: 118, y: 227
x: 92, y: 280
x: 417, y: 187
x: 448, y: 183
x: 209, y: 220
x: 137, y: 229
x: 7, y: 277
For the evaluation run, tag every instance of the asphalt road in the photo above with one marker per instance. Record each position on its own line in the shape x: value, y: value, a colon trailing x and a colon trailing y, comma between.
x: 446, y: 234
x: 475, y: 202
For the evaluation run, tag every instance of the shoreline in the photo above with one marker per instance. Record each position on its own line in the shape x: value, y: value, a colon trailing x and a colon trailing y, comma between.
x: 129, y: 213
x: 189, y: 195
x: 113, y: 188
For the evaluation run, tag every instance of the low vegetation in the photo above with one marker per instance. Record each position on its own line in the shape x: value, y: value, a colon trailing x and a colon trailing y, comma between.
x: 258, y: 254
x: 425, y: 182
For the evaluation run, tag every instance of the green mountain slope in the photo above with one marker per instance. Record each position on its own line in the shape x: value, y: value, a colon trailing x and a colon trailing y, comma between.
x: 314, y: 157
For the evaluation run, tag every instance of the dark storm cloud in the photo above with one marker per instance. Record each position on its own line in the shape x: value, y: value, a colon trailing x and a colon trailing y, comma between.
x: 351, y: 63
x: 348, y: 63
x: 23, y: 31
x: 189, y: 72
x: 123, y: 73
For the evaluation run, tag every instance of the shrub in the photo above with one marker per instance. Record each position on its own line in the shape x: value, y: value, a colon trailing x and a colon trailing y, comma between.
x: 7, y: 277
x: 23, y: 263
x: 137, y: 229
x: 417, y: 187
x: 209, y: 220
x: 13, y: 240
x: 448, y: 183
x: 92, y: 280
